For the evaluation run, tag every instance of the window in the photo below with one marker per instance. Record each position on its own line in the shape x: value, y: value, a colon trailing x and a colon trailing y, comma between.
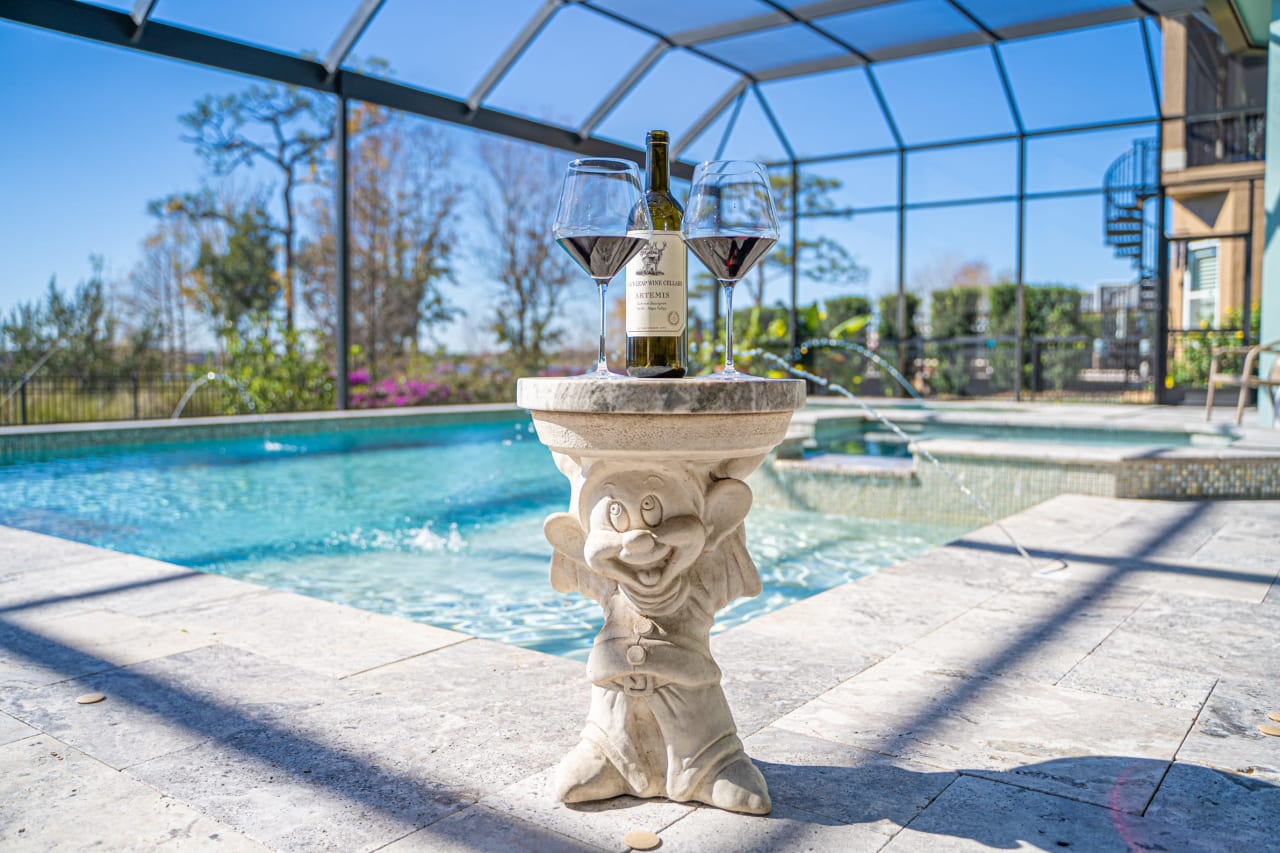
x: 1200, y: 286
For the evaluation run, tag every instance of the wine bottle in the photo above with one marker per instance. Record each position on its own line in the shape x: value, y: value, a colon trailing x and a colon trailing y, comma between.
x: 657, y: 280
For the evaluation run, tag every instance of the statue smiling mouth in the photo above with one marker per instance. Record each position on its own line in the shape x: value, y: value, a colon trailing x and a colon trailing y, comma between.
x: 645, y: 556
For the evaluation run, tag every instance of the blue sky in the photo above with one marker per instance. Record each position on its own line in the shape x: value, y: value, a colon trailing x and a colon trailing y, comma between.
x: 92, y: 133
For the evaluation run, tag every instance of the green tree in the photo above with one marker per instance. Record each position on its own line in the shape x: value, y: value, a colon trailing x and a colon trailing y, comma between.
x: 276, y: 366
x: 888, y: 325
x: 76, y: 331
x: 956, y: 312
x: 239, y: 279
x: 1050, y: 311
x: 285, y: 127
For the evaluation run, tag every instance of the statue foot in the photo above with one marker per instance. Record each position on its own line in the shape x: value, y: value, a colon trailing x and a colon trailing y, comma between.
x: 737, y: 788
x: 586, y: 775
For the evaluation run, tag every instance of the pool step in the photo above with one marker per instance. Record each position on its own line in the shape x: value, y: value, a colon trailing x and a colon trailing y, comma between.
x: 892, y: 467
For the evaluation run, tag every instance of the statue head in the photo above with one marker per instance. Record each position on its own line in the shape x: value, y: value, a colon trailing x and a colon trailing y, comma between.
x: 644, y: 530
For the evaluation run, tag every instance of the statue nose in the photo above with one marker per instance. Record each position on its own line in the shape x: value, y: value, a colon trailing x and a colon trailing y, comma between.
x: 638, y: 541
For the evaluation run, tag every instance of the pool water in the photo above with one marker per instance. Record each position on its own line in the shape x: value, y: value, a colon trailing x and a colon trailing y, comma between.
x: 440, y: 524
x: 874, y: 440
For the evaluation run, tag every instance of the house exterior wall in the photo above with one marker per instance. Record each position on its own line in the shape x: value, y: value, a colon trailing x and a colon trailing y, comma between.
x: 1218, y: 203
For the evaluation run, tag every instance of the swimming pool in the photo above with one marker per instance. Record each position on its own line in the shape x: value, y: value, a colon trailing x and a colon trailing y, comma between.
x: 869, y: 439
x: 440, y: 523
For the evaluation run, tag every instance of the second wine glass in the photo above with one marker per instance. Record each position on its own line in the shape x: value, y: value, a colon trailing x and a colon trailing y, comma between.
x: 730, y: 224
x: 602, y: 222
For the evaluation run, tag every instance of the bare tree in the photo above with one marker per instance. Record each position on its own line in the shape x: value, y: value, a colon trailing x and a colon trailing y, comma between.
x: 160, y: 287
x: 403, y: 234
x: 532, y: 277
x: 283, y: 126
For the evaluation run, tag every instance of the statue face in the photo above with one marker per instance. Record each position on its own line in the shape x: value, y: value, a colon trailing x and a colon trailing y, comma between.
x: 643, y: 531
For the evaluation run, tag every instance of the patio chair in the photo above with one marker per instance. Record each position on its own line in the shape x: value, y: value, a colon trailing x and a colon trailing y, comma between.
x: 1247, y: 377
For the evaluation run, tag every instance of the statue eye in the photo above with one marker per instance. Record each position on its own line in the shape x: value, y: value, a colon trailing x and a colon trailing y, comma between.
x: 651, y: 510
x: 618, y: 517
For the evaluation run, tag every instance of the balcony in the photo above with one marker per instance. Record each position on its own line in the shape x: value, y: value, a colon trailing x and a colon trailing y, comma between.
x: 1236, y: 136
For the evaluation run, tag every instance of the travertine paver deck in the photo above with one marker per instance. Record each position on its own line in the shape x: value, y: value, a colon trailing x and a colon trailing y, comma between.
x: 1106, y: 697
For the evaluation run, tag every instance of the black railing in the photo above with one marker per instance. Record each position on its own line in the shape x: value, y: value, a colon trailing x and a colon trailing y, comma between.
x: 62, y: 399
x: 1238, y: 136
x: 977, y: 366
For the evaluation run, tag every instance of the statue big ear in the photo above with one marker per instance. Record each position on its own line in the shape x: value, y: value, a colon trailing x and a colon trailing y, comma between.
x: 565, y: 535
x: 728, y: 502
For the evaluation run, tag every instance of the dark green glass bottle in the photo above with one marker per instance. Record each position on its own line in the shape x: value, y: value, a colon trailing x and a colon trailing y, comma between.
x: 657, y: 280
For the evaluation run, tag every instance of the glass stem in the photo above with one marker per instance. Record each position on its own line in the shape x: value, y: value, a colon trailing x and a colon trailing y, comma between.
x: 601, y: 365
x: 728, y: 327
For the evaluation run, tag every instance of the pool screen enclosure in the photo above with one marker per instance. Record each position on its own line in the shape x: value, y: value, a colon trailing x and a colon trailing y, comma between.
x: 751, y: 67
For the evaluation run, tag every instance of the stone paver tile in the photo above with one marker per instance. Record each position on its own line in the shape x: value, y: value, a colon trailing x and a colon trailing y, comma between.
x: 479, y: 828
x: 26, y: 551
x: 475, y: 663
x: 1224, y: 812
x: 709, y: 830
x: 764, y: 679
x: 509, y: 688
x: 1062, y: 741
x: 1159, y: 530
x: 11, y: 729
x: 842, y: 782
x: 871, y: 617
x: 1200, y: 635
x: 1038, y: 630
x: 121, y: 582
x: 978, y: 814
x: 601, y: 824
x: 29, y: 659
x: 1226, y: 733
x: 964, y: 563
x: 163, y: 705
x: 1252, y: 517
x: 1114, y: 670
x: 1059, y: 523
x: 1176, y: 576
x: 311, y: 634
x: 116, y: 638
x: 1241, y: 545
x: 349, y: 775
x: 54, y: 797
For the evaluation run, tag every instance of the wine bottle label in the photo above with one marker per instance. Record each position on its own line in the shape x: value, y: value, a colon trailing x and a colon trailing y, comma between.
x: 656, y: 280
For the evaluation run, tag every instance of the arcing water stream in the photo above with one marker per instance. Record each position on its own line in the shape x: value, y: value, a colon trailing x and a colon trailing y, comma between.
x: 839, y: 389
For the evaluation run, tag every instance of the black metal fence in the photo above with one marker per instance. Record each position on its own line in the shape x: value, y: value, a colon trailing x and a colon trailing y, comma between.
x: 979, y: 366
x: 64, y: 399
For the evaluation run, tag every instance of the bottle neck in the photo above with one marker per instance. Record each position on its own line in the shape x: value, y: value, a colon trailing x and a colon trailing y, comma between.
x: 657, y: 168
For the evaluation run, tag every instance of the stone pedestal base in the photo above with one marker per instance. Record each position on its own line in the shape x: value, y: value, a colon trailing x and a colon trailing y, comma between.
x: 654, y: 533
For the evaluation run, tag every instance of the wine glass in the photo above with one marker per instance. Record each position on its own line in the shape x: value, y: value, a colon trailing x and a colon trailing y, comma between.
x: 730, y: 223
x: 602, y: 222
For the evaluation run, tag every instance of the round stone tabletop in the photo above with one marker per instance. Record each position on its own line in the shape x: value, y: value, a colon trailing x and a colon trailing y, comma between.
x: 666, y: 396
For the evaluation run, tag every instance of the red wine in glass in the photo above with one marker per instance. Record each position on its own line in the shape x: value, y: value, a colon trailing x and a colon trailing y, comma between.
x: 602, y: 222
x: 601, y: 256
x: 728, y: 258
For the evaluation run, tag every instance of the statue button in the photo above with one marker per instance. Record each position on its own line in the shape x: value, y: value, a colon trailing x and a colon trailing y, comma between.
x: 644, y: 626
x: 636, y: 655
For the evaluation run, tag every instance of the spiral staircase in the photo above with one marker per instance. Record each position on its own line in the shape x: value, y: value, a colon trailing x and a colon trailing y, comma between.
x: 1131, y: 182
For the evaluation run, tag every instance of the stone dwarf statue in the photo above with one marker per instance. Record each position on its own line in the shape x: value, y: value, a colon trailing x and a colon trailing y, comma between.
x: 661, y: 549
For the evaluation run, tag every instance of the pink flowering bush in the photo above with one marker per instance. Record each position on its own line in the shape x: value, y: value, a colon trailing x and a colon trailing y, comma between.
x: 402, y: 391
